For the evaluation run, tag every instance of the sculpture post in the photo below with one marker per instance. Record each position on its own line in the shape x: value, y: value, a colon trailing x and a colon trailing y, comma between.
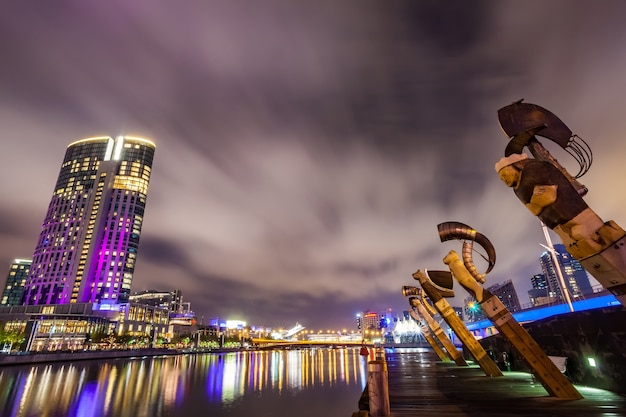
x: 555, y: 197
x: 535, y: 358
x: 446, y: 311
x: 439, y: 333
x: 442, y: 354
x: 466, y: 273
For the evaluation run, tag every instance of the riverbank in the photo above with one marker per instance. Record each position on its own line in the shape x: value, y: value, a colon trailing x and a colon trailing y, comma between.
x: 71, y: 356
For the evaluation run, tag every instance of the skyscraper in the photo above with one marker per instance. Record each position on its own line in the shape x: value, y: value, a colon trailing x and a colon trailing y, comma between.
x: 541, y: 293
x: 14, y: 287
x: 575, y: 276
x: 507, y: 294
x: 89, y: 238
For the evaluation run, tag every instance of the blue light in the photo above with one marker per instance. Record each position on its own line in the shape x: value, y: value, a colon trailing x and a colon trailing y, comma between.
x: 544, y: 312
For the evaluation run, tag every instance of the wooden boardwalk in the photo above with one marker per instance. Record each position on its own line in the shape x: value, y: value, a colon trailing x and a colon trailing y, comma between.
x: 421, y: 385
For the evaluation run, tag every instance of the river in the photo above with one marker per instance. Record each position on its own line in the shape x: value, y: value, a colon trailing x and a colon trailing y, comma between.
x: 308, y: 382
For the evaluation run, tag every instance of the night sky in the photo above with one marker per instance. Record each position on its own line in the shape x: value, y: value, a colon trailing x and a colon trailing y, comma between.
x: 307, y: 150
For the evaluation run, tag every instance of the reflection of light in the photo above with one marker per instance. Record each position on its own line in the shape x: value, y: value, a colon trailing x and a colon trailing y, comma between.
x: 109, y: 374
x: 88, y: 400
x: 163, y: 386
x: 23, y: 391
x: 294, y: 369
x: 215, y: 377
x: 229, y: 379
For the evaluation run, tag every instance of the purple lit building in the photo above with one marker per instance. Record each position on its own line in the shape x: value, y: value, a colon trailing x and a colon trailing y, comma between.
x: 89, y: 239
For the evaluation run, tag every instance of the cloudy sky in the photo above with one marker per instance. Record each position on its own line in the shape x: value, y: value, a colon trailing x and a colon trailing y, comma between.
x: 307, y: 150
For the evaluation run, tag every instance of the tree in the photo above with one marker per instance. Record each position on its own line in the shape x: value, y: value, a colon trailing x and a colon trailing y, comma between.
x: 11, y: 337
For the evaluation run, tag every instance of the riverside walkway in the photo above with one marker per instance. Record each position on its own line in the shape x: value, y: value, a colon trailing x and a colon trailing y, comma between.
x: 421, y: 385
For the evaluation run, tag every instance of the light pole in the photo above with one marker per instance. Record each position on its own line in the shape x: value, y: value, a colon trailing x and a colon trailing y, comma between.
x: 557, y: 267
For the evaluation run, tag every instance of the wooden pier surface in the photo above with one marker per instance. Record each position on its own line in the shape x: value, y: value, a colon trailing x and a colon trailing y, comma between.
x: 421, y: 385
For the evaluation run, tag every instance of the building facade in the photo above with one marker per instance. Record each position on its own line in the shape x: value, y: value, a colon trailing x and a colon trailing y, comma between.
x: 16, y: 279
x: 506, y: 293
x: 87, y: 247
x: 575, y: 276
x: 540, y: 294
x: 171, y: 300
x: 70, y: 326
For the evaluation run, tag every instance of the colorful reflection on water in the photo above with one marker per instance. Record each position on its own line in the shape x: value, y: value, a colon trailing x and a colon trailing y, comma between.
x: 211, y: 384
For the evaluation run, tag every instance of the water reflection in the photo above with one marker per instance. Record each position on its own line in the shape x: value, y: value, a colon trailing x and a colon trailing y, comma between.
x: 170, y: 385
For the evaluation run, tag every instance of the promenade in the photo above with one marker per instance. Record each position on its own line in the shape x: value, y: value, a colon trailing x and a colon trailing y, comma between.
x: 421, y: 385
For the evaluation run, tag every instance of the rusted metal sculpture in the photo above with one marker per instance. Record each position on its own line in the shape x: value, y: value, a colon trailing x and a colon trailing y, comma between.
x: 436, y: 285
x: 466, y: 273
x: 556, y: 197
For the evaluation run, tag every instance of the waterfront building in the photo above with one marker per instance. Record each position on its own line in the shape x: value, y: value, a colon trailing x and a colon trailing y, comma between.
x: 89, y: 238
x: 371, y: 324
x: 182, y: 319
x: 171, y: 300
x: 541, y: 293
x: 506, y: 293
x: 575, y: 276
x: 71, y: 326
x: 16, y: 279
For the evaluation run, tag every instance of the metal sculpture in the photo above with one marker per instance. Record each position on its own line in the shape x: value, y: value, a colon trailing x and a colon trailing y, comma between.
x: 466, y: 273
x: 556, y: 197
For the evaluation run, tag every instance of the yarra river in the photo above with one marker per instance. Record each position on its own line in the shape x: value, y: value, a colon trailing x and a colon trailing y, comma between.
x: 308, y: 382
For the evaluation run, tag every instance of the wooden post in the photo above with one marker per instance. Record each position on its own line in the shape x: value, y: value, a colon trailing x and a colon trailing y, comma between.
x: 479, y: 354
x: 456, y: 356
x: 442, y: 354
x: 535, y: 358
x: 378, y: 388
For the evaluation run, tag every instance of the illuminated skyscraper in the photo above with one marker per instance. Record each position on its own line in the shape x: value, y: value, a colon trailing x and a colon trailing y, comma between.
x: 89, y: 238
x: 505, y: 291
x: 574, y: 274
x: 14, y: 287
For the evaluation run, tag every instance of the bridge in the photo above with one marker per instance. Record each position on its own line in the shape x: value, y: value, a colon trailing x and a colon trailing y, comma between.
x: 288, y: 344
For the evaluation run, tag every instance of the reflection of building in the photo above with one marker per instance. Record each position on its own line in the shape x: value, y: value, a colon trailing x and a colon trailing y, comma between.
x: 575, y: 276
x: 89, y: 239
x: 14, y: 287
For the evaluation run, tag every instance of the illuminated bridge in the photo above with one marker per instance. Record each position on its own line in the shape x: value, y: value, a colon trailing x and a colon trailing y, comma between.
x: 288, y: 344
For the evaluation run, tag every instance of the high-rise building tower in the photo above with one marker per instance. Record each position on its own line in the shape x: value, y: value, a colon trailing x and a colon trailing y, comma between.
x: 575, y: 276
x: 14, y: 287
x: 541, y: 293
x: 507, y: 294
x: 89, y: 238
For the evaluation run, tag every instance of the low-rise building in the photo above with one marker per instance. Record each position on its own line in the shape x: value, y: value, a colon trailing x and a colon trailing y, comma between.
x: 72, y: 326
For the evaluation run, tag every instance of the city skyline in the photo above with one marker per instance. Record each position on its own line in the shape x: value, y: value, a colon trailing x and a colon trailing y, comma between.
x: 306, y: 153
